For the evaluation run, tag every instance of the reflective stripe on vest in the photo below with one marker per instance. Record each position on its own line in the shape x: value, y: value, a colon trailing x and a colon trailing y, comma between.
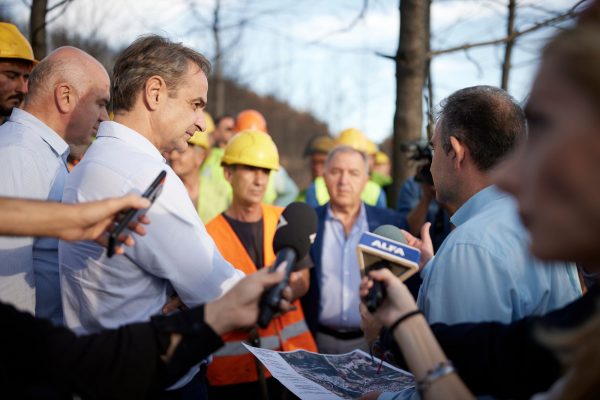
x: 266, y: 342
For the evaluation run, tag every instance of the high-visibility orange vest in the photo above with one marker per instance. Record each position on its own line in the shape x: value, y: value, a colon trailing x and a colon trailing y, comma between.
x: 233, y: 364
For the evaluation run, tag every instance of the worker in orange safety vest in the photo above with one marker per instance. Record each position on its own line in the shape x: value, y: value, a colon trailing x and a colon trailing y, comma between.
x: 244, y: 236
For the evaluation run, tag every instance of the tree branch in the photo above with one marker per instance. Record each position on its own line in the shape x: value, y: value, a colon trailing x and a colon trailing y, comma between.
x: 60, y: 3
x: 65, y: 4
x: 517, y: 33
x: 388, y: 56
x: 348, y: 28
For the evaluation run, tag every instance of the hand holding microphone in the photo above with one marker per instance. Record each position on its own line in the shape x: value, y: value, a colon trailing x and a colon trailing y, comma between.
x: 295, y: 232
x: 398, y: 301
x: 385, y: 248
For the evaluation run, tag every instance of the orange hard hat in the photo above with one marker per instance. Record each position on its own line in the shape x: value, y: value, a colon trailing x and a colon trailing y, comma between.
x: 250, y: 119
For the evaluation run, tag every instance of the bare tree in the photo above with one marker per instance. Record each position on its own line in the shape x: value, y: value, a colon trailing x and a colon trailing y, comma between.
x: 510, y: 31
x: 38, y: 21
x: 37, y: 27
x: 515, y: 33
x: 411, y: 68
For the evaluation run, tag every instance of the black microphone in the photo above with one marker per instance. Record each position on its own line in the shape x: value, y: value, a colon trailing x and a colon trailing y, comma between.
x: 295, y: 233
x: 384, y: 248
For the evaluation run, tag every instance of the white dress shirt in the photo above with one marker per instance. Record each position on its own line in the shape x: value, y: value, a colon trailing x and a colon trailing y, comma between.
x: 33, y: 166
x: 177, y: 252
x: 101, y: 292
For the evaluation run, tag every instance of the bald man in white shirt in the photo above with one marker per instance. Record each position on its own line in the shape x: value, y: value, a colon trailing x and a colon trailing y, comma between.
x: 68, y: 94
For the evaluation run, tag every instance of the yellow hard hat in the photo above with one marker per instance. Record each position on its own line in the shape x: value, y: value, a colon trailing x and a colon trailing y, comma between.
x: 210, y: 124
x: 381, y: 158
x: 354, y: 138
x: 251, y: 147
x: 372, y: 148
x: 13, y: 44
x: 200, y: 139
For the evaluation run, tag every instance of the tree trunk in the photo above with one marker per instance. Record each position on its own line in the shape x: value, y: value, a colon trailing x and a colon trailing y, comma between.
x: 510, y: 31
x: 219, y: 92
x: 411, y: 66
x: 37, y: 28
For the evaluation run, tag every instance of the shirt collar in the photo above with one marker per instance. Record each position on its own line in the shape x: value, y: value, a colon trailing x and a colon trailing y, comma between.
x: 477, y: 203
x: 361, y: 219
x: 53, y: 139
x: 119, y: 131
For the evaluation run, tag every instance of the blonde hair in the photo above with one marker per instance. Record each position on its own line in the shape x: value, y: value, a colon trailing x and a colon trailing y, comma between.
x: 579, y: 351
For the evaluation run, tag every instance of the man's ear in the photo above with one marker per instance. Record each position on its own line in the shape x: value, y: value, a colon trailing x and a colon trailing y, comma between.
x: 459, y: 150
x: 228, y: 173
x: 155, y: 92
x: 65, y: 97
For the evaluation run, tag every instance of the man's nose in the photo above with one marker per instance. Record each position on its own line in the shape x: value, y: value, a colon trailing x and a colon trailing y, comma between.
x: 260, y: 176
x: 103, y: 115
x: 200, y: 122
x: 22, y: 84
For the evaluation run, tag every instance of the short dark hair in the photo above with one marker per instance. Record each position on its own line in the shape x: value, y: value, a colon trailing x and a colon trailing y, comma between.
x: 486, y: 119
x: 147, y: 56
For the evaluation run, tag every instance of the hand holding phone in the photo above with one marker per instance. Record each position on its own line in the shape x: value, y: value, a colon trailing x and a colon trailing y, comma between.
x: 132, y: 214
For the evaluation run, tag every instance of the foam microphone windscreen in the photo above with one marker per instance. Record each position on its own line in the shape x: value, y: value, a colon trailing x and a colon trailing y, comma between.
x: 391, y: 232
x: 296, y: 229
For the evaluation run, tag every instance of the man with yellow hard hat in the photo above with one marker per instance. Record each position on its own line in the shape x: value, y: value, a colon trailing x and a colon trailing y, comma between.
x: 16, y: 62
x: 244, y: 236
x: 282, y: 189
x: 373, y: 195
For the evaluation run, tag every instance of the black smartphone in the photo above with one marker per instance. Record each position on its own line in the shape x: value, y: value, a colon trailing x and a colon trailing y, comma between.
x: 132, y: 214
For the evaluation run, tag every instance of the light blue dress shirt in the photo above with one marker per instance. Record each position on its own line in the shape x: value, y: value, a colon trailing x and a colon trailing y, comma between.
x: 33, y: 166
x: 176, y: 253
x: 484, y: 270
x: 340, y: 273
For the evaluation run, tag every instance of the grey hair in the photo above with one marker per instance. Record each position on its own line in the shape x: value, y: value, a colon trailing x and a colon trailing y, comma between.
x: 147, y: 56
x: 346, y: 149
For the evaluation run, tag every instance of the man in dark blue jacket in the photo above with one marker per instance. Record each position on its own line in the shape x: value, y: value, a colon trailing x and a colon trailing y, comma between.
x: 331, y: 304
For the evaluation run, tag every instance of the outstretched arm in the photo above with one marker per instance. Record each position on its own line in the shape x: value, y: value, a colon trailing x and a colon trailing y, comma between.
x: 85, y: 221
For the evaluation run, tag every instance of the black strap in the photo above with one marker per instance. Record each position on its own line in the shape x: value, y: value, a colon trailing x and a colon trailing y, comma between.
x: 404, y: 318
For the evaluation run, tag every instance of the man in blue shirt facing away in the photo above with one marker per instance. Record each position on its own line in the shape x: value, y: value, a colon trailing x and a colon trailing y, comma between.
x: 484, y: 270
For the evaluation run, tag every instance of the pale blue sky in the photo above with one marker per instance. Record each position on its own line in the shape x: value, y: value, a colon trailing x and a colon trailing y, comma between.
x: 300, y: 51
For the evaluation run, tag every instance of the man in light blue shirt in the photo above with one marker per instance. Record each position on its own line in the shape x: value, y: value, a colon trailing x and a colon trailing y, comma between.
x: 68, y: 93
x: 484, y: 270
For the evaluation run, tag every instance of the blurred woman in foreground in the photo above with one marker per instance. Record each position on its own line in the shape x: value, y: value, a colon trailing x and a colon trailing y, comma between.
x: 555, y: 177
